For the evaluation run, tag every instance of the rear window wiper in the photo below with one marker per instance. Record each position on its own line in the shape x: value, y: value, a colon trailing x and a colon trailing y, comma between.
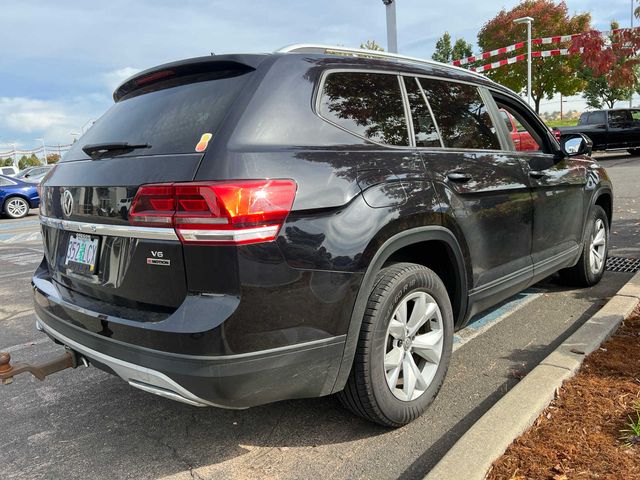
x: 98, y: 150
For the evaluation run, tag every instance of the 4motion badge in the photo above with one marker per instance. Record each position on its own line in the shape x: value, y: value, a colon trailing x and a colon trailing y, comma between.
x: 157, y: 258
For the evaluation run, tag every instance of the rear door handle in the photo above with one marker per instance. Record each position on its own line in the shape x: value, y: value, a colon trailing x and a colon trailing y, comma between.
x: 537, y: 174
x: 459, y: 177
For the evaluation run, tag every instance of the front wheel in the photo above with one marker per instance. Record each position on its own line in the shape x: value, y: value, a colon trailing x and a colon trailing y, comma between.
x: 595, y: 247
x: 16, y: 207
x: 404, y: 347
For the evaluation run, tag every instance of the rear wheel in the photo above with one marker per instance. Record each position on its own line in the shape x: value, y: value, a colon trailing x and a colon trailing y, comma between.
x: 404, y: 347
x: 590, y: 268
x: 16, y: 207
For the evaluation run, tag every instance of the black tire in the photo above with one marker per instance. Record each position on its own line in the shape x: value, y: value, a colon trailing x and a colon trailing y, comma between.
x: 582, y: 274
x: 634, y: 151
x: 367, y: 393
x: 10, y: 212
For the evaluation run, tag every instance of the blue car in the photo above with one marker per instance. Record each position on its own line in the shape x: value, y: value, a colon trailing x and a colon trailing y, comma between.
x: 17, y: 197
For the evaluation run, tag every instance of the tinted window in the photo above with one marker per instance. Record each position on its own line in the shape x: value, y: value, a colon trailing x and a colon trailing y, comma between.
x: 635, y: 115
x: 461, y: 115
x: 424, y: 128
x: 7, y: 171
x: 619, y: 117
x: 367, y: 104
x: 596, y: 118
x: 171, y: 117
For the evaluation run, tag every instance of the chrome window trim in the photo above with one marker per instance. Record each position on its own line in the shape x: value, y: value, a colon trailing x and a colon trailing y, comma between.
x: 128, y: 231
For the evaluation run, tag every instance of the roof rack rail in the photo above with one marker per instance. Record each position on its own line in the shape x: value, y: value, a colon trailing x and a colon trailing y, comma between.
x: 361, y: 52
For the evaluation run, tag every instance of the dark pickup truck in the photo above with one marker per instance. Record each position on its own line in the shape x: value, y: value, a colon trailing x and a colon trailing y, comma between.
x: 617, y: 129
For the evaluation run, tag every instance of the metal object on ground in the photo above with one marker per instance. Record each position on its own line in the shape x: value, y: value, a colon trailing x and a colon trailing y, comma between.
x: 40, y: 371
x: 623, y: 265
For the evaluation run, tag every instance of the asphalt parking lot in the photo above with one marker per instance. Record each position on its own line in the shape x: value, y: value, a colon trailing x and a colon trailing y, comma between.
x: 87, y: 424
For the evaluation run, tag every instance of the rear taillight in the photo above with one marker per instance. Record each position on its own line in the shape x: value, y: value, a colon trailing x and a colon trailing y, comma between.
x: 228, y: 213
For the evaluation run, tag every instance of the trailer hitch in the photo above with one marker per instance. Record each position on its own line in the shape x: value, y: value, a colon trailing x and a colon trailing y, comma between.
x: 40, y: 370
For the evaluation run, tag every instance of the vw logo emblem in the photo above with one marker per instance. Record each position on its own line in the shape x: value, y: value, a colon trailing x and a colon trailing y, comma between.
x: 67, y: 203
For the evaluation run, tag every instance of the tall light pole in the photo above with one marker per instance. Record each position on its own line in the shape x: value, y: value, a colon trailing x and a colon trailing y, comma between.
x: 44, y: 149
x: 392, y: 31
x: 528, y: 21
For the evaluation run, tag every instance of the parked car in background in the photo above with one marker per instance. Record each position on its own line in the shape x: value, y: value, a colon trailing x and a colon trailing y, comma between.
x: 521, y: 138
x: 34, y: 173
x: 9, y: 171
x: 17, y: 197
x: 617, y: 129
x: 243, y: 229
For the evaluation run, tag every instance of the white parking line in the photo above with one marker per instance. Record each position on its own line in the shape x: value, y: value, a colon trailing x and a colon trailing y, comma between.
x: 13, y: 274
x: 485, y: 321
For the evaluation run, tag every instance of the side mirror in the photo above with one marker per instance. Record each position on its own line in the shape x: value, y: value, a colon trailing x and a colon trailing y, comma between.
x: 576, y: 144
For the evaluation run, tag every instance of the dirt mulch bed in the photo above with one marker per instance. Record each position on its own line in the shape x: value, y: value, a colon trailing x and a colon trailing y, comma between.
x: 579, y: 434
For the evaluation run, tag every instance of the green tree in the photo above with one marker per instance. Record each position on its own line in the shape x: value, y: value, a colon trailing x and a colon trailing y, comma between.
x: 371, y: 45
x: 30, y: 161
x: 549, y: 75
x: 6, y: 162
x: 599, y: 93
x: 461, y: 49
x: 443, y: 51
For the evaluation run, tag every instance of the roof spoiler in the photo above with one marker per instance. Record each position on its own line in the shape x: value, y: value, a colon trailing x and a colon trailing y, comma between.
x: 233, y: 64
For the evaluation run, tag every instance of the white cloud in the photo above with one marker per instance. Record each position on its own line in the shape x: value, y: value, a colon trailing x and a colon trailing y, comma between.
x: 24, y: 117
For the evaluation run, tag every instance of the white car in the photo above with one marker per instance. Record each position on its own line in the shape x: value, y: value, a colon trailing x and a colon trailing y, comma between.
x: 9, y: 171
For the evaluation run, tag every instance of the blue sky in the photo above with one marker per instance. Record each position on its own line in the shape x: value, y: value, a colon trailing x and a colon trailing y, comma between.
x: 60, y: 60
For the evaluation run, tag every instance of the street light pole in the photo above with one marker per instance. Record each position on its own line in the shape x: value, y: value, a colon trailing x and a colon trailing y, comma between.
x: 392, y: 31
x: 528, y: 21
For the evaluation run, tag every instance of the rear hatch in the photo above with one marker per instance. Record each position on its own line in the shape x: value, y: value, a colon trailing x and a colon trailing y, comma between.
x: 155, y: 133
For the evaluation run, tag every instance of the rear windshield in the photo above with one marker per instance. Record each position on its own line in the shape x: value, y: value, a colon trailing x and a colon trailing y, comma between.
x: 170, y: 116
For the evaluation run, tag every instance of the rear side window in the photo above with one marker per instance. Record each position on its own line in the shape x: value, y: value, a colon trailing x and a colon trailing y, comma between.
x: 618, y: 118
x: 7, y: 171
x: 424, y: 128
x: 171, y: 117
x: 461, y: 115
x: 367, y: 104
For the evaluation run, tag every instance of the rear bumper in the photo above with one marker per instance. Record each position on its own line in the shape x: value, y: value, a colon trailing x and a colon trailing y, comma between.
x: 231, y: 381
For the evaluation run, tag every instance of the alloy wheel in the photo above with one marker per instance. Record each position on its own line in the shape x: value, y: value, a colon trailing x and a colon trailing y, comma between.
x: 16, y: 207
x: 414, y: 344
x: 598, y: 247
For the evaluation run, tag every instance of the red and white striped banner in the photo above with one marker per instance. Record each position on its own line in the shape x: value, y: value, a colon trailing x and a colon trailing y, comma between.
x: 492, y: 53
x: 523, y: 56
x: 535, y: 41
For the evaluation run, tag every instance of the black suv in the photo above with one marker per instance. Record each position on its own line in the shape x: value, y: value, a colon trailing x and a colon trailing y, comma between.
x: 242, y: 229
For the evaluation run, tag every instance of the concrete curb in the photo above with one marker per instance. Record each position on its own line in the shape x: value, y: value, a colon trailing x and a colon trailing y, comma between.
x: 473, y: 454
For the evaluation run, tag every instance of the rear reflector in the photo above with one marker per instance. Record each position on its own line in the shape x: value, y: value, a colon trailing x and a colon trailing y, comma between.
x: 216, y: 213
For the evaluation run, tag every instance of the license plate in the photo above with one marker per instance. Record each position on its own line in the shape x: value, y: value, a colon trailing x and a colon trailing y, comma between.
x: 82, y: 253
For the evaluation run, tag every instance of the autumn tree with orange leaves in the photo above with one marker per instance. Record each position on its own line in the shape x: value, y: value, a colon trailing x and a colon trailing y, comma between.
x: 549, y: 75
x: 613, y: 57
